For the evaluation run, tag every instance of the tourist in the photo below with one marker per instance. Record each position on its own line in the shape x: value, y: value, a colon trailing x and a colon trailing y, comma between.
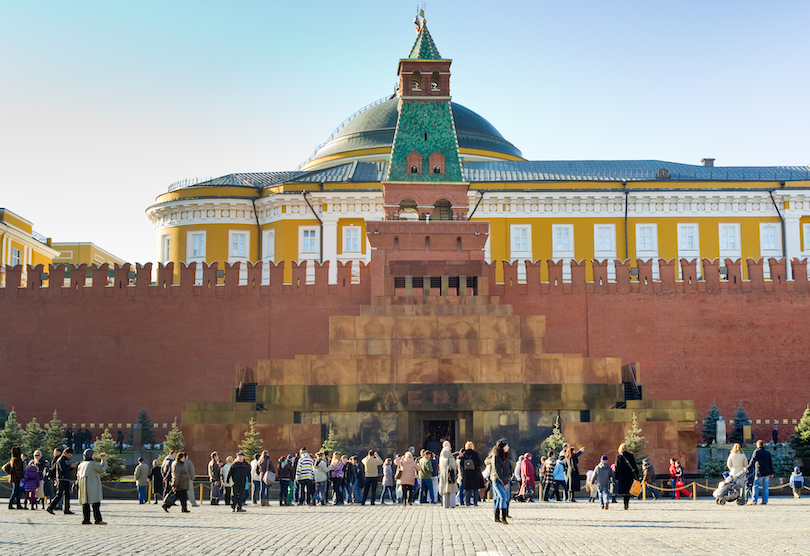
x: 796, y: 482
x: 348, y: 479
x: 166, y: 472
x: 673, y: 478
x: 425, y: 478
x: 500, y: 475
x: 305, y: 477
x: 626, y: 473
x: 15, y: 469
x: 88, y: 477
x: 179, y: 483
x: 448, y: 476
x: 64, y: 470
x: 648, y: 477
x: 388, y: 482
x: 215, y: 478
x: 142, y: 481
x: 602, y: 476
x: 371, y: 470
x: 192, y: 474
x: 285, y: 477
x: 572, y: 481
x: 736, y: 462
x: 549, y: 484
x: 527, y: 483
x: 321, y: 471
x: 763, y: 471
x: 119, y: 441
x: 336, y: 478
x: 238, y: 476
x: 256, y: 478
x: 359, y: 480
x: 30, y: 484
x: 53, y: 481
x: 157, y: 481
x: 471, y: 479
x: 560, y: 490
x: 267, y: 470
x: 434, y: 476
x: 590, y: 487
x: 406, y: 476
x: 227, y: 482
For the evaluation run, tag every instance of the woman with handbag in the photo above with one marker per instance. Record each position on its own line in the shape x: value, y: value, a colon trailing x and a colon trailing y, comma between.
x: 448, y: 476
x: 626, y: 474
x: 406, y: 476
x: 267, y: 469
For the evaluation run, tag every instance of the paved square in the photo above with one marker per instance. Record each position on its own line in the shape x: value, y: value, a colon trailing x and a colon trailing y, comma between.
x: 652, y: 527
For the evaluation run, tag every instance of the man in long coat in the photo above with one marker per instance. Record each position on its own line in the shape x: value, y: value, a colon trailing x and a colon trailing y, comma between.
x: 89, y: 479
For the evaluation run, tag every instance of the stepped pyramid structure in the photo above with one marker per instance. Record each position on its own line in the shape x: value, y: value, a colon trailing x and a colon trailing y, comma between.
x: 433, y: 358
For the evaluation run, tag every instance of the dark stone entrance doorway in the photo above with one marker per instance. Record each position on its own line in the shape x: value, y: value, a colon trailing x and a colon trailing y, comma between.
x: 434, y: 433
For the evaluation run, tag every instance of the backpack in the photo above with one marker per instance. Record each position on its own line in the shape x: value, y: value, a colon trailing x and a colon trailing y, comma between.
x: 469, y: 464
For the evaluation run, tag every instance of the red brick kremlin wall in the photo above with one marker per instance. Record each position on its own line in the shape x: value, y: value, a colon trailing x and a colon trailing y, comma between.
x: 102, y: 353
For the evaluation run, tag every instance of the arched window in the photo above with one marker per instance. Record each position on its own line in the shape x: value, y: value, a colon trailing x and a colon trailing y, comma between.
x: 435, y: 82
x: 414, y: 169
x: 407, y: 210
x: 416, y: 81
x: 414, y: 163
x: 437, y: 169
x: 442, y: 210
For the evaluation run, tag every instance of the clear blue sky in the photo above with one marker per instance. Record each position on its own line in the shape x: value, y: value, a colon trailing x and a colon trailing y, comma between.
x: 104, y: 104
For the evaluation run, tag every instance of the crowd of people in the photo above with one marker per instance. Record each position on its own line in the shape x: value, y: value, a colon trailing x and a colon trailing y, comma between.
x: 450, y: 478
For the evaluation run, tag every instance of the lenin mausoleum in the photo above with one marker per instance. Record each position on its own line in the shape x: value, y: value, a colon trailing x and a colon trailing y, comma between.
x: 417, y: 276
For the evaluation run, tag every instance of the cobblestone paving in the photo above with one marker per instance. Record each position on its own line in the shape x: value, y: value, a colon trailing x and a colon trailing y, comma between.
x: 649, y: 528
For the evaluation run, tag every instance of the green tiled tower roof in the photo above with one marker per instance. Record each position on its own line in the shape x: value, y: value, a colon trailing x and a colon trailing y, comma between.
x: 424, y: 48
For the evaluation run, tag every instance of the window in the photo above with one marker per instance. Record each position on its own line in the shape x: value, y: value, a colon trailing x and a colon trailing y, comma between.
x: 195, y: 253
x: 563, y: 246
x: 351, y: 239
x: 197, y: 245
x: 309, y: 248
x: 604, y: 243
x: 520, y: 248
x: 165, y: 248
x: 770, y: 245
x: 647, y: 245
x: 310, y: 244
x: 16, y: 256
x: 238, y: 244
x: 268, y: 253
x: 729, y: 242
x: 689, y: 245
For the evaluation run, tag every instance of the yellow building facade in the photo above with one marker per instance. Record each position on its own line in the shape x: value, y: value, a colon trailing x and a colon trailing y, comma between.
x: 536, y: 210
x: 19, y: 245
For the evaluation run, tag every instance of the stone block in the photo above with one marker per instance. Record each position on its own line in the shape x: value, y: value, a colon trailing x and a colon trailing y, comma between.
x: 341, y: 328
x: 501, y: 369
x: 459, y: 370
x: 411, y: 370
x: 544, y: 370
x: 467, y: 347
x: 533, y: 326
x: 502, y: 346
x: 575, y: 369
x: 376, y: 370
x: 327, y: 370
x: 374, y: 347
x: 531, y: 346
x: 367, y: 328
x: 499, y: 327
x: 342, y: 347
x: 457, y: 327
x: 415, y: 327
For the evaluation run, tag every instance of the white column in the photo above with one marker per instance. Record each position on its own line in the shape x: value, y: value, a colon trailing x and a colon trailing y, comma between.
x: 793, y: 248
x: 329, y: 244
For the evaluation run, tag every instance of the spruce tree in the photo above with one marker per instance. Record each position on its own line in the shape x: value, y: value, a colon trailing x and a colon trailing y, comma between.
x: 174, y: 440
x: 252, y: 444
x: 54, y: 436
x: 147, y: 434
x: 554, y: 442
x: 635, y: 441
x: 740, y: 420
x: 800, y: 440
x: 3, y: 415
x: 784, y: 460
x: 710, y: 424
x: 33, y: 438
x: 10, y: 436
x: 107, y: 445
x: 714, y: 467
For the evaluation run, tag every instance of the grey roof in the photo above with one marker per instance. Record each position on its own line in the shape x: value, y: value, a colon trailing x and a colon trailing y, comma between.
x: 527, y: 171
x: 627, y: 170
x: 375, y: 126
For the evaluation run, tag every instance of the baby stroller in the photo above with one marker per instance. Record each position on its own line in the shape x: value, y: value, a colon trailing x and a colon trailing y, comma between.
x: 733, y: 488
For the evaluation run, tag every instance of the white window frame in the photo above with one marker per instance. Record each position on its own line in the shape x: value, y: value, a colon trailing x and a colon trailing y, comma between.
x: 268, y: 253
x: 16, y: 256
x: 563, y: 252
x: 651, y: 252
x: 313, y: 255
x: 606, y: 254
x: 520, y: 253
x: 806, y: 229
x: 233, y: 258
x: 348, y: 232
x: 165, y: 248
x: 734, y: 252
x: 686, y: 252
x: 196, y: 258
x: 767, y: 252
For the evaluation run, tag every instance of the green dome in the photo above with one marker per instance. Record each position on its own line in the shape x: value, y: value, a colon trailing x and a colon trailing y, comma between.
x: 374, y: 128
